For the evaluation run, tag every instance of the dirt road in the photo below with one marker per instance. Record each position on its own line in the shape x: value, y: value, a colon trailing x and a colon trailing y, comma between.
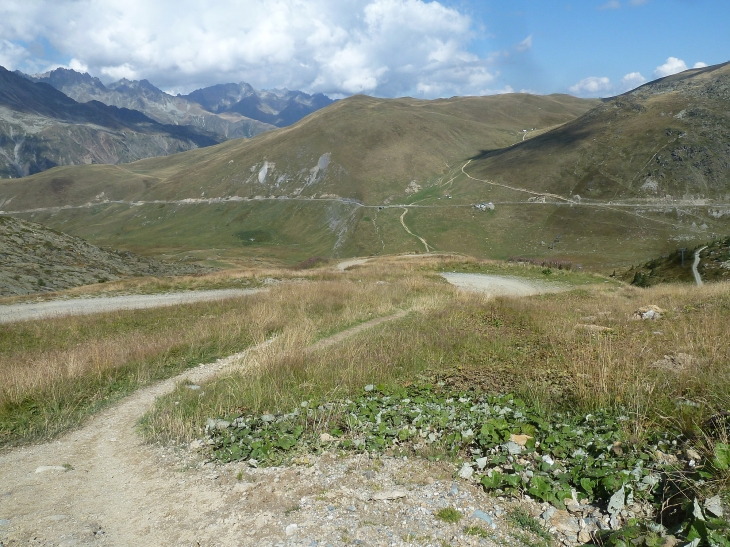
x: 101, y: 485
x: 82, y: 306
x: 696, y: 263
x: 497, y: 285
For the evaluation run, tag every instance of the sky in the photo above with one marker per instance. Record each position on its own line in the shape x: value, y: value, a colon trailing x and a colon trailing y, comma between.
x: 385, y: 48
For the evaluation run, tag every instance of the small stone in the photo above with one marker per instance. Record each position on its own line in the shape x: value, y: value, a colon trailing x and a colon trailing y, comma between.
x: 326, y: 438
x: 4, y: 522
x: 565, y: 523
x: 584, y: 536
x: 47, y: 468
x: 548, y: 513
x: 714, y: 505
x: 513, y: 448
x: 193, y: 387
x: 388, y: 495
x: 697, y: 511
x: 481, y: 462
x: 369, y: 387
x: 617, y: 501
x: 466, y: 471
x: 430, y: 480
x: 268, y: 418
x: 291, y: 529
x: 692, y: 454
x: 573, y: 506
x: 219, y: 425
x: 477, y: 514
x: 351, y: 508
x: 197, y: 444
x: 454, y: 490
x: 519, y: 439
x: 370, y: 475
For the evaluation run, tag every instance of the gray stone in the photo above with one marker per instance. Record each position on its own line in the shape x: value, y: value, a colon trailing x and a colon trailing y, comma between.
x: 291, y: 529
x: 388, y: 495
x: 4, y: 522
x: 193, y: 387
x: 548, y: 513
x: 697, y: 511
x: 268, y: 418
x: 714, y: 505
x: 454, y: 490
x: 220, y: 425
x: 466, y: 471
x: 481, y: 462
x: 485, y: 517
x: 513, y: 448
x: 369, y: 387
x: 616, y: 503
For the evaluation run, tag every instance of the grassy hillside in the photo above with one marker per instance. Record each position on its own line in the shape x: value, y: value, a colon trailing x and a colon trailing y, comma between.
x: 636, y: 177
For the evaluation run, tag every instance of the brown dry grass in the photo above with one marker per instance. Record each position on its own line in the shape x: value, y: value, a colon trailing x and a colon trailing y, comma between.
x: 54, y: 372
x: 534, y: 347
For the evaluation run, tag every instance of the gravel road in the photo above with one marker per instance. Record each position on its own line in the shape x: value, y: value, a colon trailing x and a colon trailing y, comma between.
x: 497, y: 285
x: 82, y: 306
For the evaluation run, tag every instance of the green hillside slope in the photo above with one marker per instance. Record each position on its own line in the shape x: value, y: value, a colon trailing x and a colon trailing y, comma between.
x: 602, y: 184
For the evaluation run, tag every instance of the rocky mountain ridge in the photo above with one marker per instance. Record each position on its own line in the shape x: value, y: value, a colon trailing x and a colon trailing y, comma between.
x: 229, y: 110
x: 40, y: 128
x: 141, y: 95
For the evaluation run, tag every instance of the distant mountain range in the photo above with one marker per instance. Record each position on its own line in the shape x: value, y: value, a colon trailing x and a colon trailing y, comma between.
x: 65, y: 117
x: 229, y: 110
x: 40, y: 128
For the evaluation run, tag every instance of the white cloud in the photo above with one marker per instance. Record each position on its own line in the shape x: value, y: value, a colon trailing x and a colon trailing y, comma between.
x: 381, y: 47
x: 671, y: 66
x: 592, y: 86
x: 11, y: 55
x: 699, y: 64
x: 638, y: 2
x: 632, y: 80
x: 524, y: 45
x: 603, y: 87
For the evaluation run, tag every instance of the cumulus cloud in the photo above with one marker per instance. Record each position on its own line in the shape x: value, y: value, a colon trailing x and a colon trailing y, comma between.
x: 699, y: 64
x: 671, y: 66
x: 603, y: 87
x: 632, y: 80
x: 380, y: 47
x: 593, y: 86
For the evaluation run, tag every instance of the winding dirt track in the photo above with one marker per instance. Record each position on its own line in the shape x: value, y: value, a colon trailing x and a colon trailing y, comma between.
x: 122, y: 492
x: 83, y: 306
x: 120, y: 485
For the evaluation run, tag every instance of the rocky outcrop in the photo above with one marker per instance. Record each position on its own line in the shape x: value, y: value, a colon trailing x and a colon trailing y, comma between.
x: 35, y: 259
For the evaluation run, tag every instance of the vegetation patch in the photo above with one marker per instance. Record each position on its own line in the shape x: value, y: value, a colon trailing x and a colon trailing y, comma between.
x: 510, y: 446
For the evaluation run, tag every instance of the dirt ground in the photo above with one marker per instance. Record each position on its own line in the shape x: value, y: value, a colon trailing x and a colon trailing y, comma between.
x: 102, y: 485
